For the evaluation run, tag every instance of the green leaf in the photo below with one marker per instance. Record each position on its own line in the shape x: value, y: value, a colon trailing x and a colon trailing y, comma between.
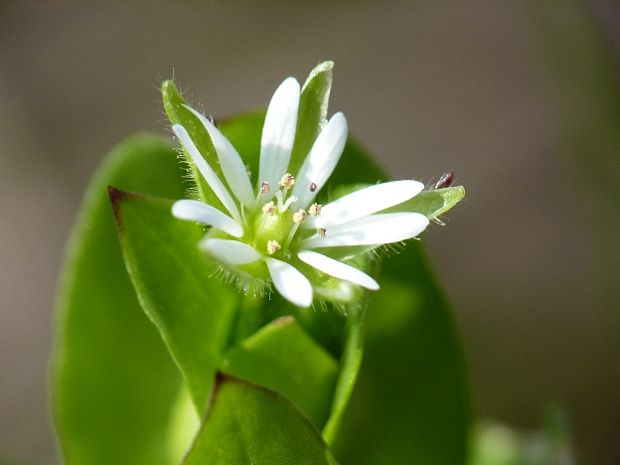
x: 312, y: 115
x: 178, y: 113
x: 282, y: 357
x: 357, y: 167
x: 193, y: 312
x: 411, y: 401
x: 247, y: 424
x: 114, y: 382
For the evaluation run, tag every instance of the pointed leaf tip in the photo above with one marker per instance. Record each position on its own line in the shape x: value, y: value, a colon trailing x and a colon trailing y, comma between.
x: 114, y: 193
x: 116, y: 197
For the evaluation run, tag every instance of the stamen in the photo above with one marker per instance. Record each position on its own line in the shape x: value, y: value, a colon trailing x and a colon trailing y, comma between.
x: 288, y: 203
x: 299, y: 216
x: 287, y: 181
x: 315, y: 209
x: 291, y: 234
x: 243, y: 213
x: 313, y: 187
x: 273, y: 247
x: 269, y: 208
x: 322, y: 231
x: 264, y: 187
x: 280, y: 201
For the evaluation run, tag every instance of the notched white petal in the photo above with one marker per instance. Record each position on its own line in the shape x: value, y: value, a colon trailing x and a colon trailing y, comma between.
x: 279, y: 132
x: 229, y: 251
x: 207, y: 172
x: 365, y: 202
x: 193, y: 210
x: 321, y: 161
x: 337, y: 269
x: 232, y: 166
x: 382, y: 228
x: 290, y: 282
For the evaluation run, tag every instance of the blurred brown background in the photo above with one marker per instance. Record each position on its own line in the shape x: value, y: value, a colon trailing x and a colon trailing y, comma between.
x: 520, y: 99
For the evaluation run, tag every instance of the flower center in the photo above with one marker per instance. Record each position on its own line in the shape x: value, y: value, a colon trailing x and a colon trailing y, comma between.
x: 274, y: 228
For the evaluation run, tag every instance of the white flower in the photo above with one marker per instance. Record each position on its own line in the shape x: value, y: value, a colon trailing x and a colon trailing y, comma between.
x: 276, y: 224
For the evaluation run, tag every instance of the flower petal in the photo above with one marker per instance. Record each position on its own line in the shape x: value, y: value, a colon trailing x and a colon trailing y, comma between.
x: 290, y: 282
x: 233, y: 167
x: 279, y: 133
x: 338, y: 269
x: 212, y: 180
x: 365, y: 202
x: 193, y: 210
x: 377, y: 229
x: 321, y: 161
x: 230, y: 251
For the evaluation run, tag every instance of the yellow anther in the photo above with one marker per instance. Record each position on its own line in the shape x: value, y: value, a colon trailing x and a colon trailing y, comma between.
x: 287, y: 181
x: 299, y: 216
x: 273, y: 247
x: 315, y: 209
x: 269, y: 208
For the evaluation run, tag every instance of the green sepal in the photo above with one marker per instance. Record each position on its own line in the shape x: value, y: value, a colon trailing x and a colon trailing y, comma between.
x: 432, y: 203
x: 312, y: 115
x: 178, y: 113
